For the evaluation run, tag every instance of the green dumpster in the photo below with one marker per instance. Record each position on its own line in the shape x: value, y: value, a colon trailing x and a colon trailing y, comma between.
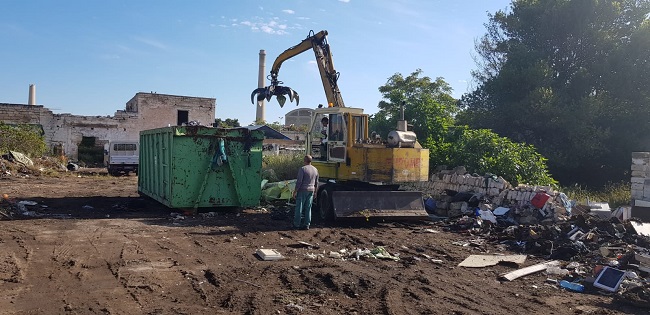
x: 201, y: 167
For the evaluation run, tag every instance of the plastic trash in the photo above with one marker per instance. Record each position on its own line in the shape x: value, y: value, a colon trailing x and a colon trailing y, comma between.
x: 572, y: 286
x: 430, y: 205
x: 555, y: 270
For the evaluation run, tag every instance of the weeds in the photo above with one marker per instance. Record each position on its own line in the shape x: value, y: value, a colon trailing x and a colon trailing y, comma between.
x: 24, y: 138
x: 615, y: 194
x: 281, y: 167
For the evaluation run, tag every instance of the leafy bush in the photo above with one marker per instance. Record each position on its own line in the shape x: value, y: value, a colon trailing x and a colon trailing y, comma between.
x: 23, y: 138
x: 281, y: 167
x: 483, y: 151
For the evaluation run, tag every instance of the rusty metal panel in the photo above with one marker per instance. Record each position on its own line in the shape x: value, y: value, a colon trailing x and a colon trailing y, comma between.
x: 385, y: 204
x: 410, y: 165
x: 180, y: 166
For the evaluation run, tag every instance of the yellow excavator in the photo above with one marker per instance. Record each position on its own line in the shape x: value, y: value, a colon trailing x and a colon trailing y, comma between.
x: 361, y: 173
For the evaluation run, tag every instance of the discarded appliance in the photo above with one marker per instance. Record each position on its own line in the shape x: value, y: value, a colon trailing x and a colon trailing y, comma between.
x: 609, y: 279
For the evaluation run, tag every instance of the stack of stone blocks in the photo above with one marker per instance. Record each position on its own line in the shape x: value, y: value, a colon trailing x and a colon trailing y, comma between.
x: 640, y: 189
x: 495, y: 189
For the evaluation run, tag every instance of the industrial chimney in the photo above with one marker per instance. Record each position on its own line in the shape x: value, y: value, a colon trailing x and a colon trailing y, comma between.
x: 261, y: 82
x: 32, y: 95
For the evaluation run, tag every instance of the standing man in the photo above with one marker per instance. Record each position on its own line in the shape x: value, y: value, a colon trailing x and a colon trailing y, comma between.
x: 306, y: 185
x: 323, y: 141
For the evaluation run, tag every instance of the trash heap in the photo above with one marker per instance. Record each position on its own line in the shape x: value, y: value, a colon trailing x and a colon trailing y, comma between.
x: 16, y: 164
x: 454, y: 193
x: 585, y: 253
x: 11, y: 208
x: 586, y: 248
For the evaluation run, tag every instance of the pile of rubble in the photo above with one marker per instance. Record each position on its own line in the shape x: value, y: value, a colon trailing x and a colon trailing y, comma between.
x: 16, y: 164
x: 587, y: 248
x: 454, y: 193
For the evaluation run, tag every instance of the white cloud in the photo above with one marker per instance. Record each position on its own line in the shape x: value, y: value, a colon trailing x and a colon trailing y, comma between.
x: 344, y: 1
x: 151, y: 42
x: 273, y: 26
x: 288, y: 11
x: 303, y: 18
x: 311, y: 62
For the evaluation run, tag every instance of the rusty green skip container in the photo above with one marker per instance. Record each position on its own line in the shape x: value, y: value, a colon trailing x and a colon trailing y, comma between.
x: 201, y: 167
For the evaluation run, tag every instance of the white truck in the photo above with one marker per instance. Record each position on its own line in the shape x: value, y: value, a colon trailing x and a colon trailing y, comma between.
x: 121, y: 157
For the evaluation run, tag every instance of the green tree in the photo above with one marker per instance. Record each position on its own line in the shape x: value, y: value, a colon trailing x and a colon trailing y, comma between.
x: 570, y: 78
x: 430, y: 109
x: 429, y: 106
x: 227, y: 123
x: 483, y: 151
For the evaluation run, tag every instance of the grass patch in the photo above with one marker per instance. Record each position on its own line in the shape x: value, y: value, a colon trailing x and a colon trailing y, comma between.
x: 615, y: 194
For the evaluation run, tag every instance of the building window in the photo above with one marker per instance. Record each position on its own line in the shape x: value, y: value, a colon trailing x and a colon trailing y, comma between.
x: 183, y: 117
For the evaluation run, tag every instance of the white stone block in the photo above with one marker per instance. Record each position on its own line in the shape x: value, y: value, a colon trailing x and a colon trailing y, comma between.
x: 637, y: 180
x: 637, y: 186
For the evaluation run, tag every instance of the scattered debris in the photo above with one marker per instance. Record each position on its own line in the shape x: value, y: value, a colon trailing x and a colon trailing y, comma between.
x: 609, y: 279
x: 478, y: 261
x: 19, y: 158
x: 528, y: 270
x: 268, y: 254
x: 278, y: 190
x: 295, y: 307
x: 72, y: 167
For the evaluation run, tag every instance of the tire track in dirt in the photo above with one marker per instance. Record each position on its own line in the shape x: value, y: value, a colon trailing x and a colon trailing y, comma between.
x: 15, y: 256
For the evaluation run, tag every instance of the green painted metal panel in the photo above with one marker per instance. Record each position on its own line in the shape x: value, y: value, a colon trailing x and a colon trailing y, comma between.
x: 180, y: 166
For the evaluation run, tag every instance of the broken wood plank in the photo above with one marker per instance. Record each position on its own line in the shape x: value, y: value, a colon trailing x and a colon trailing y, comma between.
x: 528, y: 270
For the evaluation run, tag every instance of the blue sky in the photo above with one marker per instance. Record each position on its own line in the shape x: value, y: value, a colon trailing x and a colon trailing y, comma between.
x: 90, y: 57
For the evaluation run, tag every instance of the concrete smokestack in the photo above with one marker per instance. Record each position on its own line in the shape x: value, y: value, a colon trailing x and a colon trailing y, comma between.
x: 261, y: 82
x: 32, y: 95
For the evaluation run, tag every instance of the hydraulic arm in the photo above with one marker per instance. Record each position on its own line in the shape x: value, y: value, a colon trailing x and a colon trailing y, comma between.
x: 318, y: 43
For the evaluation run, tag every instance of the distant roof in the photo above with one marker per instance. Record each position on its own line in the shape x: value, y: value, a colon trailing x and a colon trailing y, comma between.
x: 269, y: 133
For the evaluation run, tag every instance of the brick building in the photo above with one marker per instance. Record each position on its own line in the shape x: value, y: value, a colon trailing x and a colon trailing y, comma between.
x: 66, y: 132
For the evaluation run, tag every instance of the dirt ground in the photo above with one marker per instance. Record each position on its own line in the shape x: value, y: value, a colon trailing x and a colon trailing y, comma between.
x: 92, y: 245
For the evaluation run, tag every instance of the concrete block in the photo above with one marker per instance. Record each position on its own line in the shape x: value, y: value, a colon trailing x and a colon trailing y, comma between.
x: 641, y: 155
x: 639, y: 174
x: 637, y: 180
x: 637, y: 187
x: 636, y: 194
x: 640, y: 162
x: 637, y: 167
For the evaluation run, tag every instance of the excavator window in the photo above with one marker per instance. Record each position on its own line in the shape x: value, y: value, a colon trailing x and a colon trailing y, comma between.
x: 359, y: 129
x: 337, y: 128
